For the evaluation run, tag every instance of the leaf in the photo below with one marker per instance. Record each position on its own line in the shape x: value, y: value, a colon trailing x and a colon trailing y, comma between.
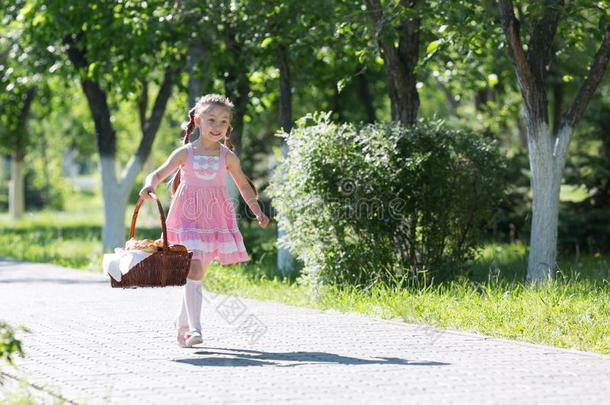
x: 432, y: 46
x: 40, y: 18
x: 91, y: 70
x: 492, y: 79
x: 266, y: 42
x: 341, y: 84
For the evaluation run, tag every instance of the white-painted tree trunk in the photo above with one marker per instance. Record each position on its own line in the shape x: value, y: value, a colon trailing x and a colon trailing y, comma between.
x: 547, y: 160
x: 115, y: 195
x: 149, y: 213
x: 285, y: 260
x: 16, y: 199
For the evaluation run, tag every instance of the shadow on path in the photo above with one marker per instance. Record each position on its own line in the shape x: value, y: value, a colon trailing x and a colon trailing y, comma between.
x: 242, y: 358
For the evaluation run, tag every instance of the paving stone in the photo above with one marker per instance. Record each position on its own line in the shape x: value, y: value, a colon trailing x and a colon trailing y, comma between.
x: 97, y: 345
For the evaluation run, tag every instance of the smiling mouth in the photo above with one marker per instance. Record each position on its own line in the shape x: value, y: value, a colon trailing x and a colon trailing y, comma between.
x: 214, y: 134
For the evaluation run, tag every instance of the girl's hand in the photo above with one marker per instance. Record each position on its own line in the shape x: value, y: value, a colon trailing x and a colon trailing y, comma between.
x: 263, y: 220
x: 145, y: 192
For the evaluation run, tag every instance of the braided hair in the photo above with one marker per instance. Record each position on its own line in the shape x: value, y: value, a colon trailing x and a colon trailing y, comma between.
x: 201, y: 106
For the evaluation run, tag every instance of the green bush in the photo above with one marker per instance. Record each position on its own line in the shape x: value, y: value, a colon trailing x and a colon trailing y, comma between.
x: 9, y: 345
x: 363, y: 204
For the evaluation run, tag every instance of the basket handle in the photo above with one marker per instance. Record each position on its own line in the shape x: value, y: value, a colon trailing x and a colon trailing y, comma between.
x: 134, y: 217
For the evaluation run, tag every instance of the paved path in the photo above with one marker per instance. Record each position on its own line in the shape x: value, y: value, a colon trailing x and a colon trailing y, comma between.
x: 93, y: 344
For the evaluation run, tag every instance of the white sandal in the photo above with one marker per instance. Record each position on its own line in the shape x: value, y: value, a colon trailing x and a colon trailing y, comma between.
x: 182, y: 331
x: 192, y: 338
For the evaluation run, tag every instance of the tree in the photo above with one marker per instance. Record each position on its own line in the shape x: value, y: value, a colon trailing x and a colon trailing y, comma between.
x: 287, y: 37
x: 548, y: 148
x: 115, y: 49
x: 400, y: 53
x: 18, y: 87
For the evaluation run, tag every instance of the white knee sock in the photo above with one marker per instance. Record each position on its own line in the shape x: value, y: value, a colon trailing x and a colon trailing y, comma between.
x: 182, y: 321
x: 193, y: 298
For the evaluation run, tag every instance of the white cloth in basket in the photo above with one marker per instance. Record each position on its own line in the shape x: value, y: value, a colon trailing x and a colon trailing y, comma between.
x: 119, y: 263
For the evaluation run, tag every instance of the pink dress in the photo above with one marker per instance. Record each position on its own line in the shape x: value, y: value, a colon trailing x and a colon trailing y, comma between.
x: 201, y: 217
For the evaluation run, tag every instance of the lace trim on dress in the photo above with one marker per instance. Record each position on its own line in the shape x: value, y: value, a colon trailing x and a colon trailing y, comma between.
x: 222, y: 247
x: 198, y: 230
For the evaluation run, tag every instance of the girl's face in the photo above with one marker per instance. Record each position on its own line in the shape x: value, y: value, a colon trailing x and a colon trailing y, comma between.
x: 214, y: 123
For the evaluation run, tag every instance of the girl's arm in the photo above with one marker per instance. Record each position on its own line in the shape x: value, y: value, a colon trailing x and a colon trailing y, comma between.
x: 177, y: 158
x: 232, y: 162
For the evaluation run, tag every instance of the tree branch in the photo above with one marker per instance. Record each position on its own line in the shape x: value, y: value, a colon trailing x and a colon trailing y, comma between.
x: 142, y: 104
x: 408, y: 46
x: 574, y: 114
x: 596, y: 74
x: 96, y: 98
x: 539, y: 52
x: 373, y: 7
x: 20, y: 132
x: 510, y: 26
x: 542, y: 33
x: 149, y: 131
x: 154, y: 120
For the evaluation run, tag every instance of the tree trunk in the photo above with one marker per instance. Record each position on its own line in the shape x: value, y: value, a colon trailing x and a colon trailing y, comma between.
x: 16, y: 194
x: 548, y: 150
x: 115, y: 191
x: 198, y: 55
x: 365, y: 97
x: 545, y: 182
x: 16, y: 201
x: 336, y: 106
x: 481, y: 98
x: 285, y: 90
x: 285, y: 260
x: 149, y: 213
x: 237, y: 86
x: 558, y: 92
x: 452, y: 104
x: 46, y: 190
x: 115, y: 204
x: 400, y: 62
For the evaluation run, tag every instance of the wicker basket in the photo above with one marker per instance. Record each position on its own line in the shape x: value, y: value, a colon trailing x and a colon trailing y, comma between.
x: 162, y: 268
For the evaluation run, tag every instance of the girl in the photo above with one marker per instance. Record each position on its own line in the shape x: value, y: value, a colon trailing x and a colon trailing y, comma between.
x: 201, y: 217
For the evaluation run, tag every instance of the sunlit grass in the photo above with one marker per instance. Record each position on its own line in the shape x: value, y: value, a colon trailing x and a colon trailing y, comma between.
x: 573, y: 193
x: 566, y: 312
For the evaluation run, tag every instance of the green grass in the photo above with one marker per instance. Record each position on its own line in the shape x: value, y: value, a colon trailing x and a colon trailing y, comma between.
x: 573, y: 193
x: 571, y: 311
x: 22, y: 395
x: 68, y: 238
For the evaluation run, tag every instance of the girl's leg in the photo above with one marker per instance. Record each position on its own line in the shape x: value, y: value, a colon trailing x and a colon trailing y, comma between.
x: 182, y: 322
x: 196, y: 272
x: 193, y: 295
